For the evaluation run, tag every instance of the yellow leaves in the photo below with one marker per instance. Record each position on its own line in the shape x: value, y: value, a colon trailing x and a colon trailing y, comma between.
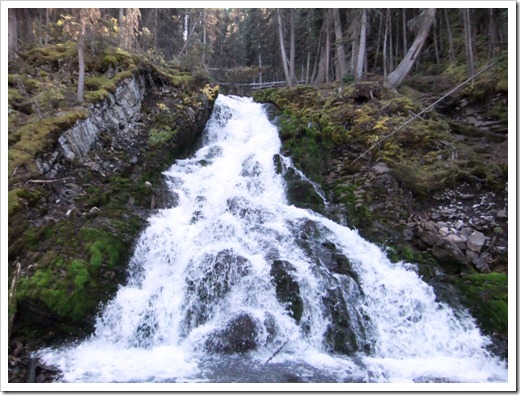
x: 380, y: 124
x: 162, y: 107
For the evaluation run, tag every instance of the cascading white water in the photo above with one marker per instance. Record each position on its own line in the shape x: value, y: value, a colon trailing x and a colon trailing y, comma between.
x: 235, y: 284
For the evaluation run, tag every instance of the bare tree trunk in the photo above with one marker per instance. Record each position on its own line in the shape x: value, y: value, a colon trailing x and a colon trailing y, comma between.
x: 204, y: 38
x: 25, y: 23
x: 308, y: 66
x: 362, y: 46
x: 390, y: 41
x: 155, y: 31
x: 292, y: 49
x: 47, y: 25
x: 468, y: 41
x: 402, y: 70
x: 340, y: 49
x: 405, y: 38
x: 12, y: 33
x: 282, y: 49
x: 376, y: 56
x: 122, y: 41
x: 451, y: 49
x: 435, y: 43
x: 324, y: 57
x: 385, y: 58
x: 260, y: 76
x: 327, y: 49
x: 81, y: 61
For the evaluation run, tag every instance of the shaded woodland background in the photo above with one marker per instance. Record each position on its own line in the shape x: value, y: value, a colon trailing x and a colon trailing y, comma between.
x: 244, y: 45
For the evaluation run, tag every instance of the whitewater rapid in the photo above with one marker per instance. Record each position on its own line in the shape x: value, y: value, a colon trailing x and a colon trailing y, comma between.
x: 202, y: 302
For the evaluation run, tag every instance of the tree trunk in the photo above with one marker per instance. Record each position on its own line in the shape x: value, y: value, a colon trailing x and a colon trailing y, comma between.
x: 435, y: 44
x: 324, y: 59
x: 385, y: 57
x: 25, y: 23
x: 155, y: 31
x: 492, y: 34
x: 468, y: 42
x: 122, y: 41
x: 340, y: 49
x: 402, y: 70
x: 451, y: 49
x: 282, y: 48
x: 376, y: 56
x: 204, y: 39
x: 405, y: 38
x: 47, y: 26
x: 81, y: 61
x: 292, y: 49
x: 12, y: 33
x: 362, y: 46
x: 390, y: 40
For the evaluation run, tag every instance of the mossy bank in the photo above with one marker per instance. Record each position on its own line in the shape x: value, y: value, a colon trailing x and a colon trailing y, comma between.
x: 84, y: 177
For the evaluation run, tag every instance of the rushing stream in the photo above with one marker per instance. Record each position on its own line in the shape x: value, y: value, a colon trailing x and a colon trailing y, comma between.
x: 233, y: 284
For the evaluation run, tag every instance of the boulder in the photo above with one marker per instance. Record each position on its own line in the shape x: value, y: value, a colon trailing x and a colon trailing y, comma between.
x: 238, y: 336
x: 475, y: 241
x: 287, y: 288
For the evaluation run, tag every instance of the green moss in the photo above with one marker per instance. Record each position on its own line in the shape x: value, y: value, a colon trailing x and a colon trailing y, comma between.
x: 13, y: 95
x: 13, y: 201
x: 34, y: 138
x: 96, y: 96
x: 161, y: 136
x: 104, y: 247
x: 66, y: 296
x: 100, y: 82
x: 122, y: 75
x: 486, y: 297
x: 52, y: 53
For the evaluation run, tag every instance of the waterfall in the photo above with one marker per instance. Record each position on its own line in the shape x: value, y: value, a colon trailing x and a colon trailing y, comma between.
x: 234, y: 284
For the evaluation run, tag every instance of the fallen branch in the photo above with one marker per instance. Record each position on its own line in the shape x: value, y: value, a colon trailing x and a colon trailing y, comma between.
x: 49, y: 181
x: 423, y: 111
x: 277, y: 351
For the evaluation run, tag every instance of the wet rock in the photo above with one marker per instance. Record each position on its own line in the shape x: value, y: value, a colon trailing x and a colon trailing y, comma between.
x: 210, y: 280
x: 238, y: 336
x: 346, y: 332
x: 301, y: 192
x: 287, y: 288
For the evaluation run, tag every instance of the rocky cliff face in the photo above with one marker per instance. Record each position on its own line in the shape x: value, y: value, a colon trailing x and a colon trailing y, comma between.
x: 117, y: 113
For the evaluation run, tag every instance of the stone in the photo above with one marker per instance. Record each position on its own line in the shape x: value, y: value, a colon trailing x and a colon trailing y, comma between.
x: 501, y: 214
x: 287, y: 288
x: 477, y: 261
x: 475, y: 241
x: 430, y: 238
x: 380, y: 168
x: 428, y: 225
x: 238, y: 336
x: 448, y: 253
x: 408, y: 234
x: 444, y: 231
